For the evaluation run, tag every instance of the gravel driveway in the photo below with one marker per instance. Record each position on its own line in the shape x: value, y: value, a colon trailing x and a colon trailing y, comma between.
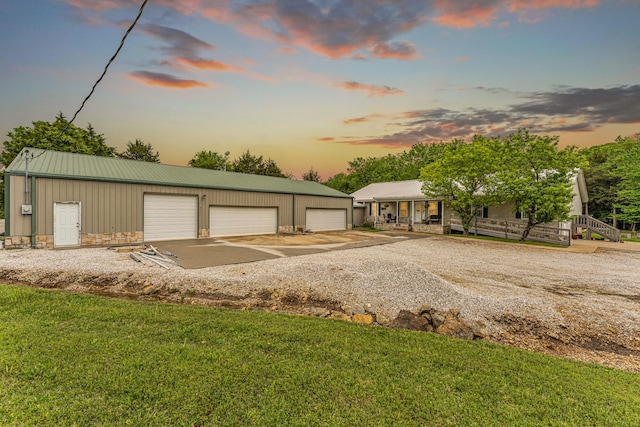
x: 577, y: 305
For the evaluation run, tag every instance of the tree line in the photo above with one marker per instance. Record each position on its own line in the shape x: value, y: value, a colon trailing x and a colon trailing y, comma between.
x: 612, y: 170
x: 59, y: 135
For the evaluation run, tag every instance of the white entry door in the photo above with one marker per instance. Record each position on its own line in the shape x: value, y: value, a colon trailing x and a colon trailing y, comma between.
x: 326, y: 219
x: 66, y: 224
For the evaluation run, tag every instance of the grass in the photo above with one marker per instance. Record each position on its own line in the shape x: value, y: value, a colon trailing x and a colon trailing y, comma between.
x: 68, y: 359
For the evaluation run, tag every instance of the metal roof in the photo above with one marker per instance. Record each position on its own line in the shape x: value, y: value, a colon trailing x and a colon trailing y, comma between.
x: 56, y: 164
x: 386, y: 191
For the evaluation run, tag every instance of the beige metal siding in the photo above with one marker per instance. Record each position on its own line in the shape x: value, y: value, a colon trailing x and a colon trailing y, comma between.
x: 20, y: 224
x: 118, y: 207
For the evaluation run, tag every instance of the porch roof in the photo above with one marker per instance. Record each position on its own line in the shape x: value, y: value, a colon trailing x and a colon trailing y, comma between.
x: 390, y: 191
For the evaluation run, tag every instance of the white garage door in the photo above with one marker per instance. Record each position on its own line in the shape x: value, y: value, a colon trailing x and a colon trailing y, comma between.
x: 326, y: 219
x: 170, y: 217
x: 239, y: 221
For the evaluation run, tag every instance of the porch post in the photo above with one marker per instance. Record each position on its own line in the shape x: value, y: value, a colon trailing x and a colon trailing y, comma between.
x: 397, y: 211
x: 413, y: 211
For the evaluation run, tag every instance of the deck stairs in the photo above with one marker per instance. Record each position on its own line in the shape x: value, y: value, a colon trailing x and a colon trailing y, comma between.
x: 593, y: 225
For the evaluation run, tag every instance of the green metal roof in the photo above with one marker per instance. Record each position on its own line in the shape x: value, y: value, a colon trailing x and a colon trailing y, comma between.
x: 56, y: 164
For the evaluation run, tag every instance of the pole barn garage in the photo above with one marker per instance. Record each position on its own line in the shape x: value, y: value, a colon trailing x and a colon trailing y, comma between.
x: 58, y: 200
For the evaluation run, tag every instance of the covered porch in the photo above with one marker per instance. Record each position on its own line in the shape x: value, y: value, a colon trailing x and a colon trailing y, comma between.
x: 401, y: 205
x: 408, y: 215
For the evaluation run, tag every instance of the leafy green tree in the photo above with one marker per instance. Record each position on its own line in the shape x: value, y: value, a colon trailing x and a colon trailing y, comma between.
x: 363, y: 171
x: 420, y: 155
x: 537, y: 177
x: 140, y: 151
x: 603, y: 181
x: 340, y: 182
x: 464, y: 175
x: 209, y: 160
x: 627, y: 168
x: 248, y: 163
x: 311, y: 175
x: 50, y: 136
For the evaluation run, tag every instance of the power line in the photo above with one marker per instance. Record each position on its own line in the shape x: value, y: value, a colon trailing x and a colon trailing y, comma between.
x: 104, y: 72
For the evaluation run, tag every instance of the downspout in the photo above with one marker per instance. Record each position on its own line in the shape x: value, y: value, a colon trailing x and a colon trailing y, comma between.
x: 7, y: 206
x: 294, y: 213
x: 352, y: 217
x: 33, y: 212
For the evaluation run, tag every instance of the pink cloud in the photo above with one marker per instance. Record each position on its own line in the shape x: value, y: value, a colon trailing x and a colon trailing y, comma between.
x: 452, y: 15
x: 210, y: 64
x: 363, y: 119
x: 371, y: 89
x: 165, y: 80
x: 287, y: 50
x: 397, y: 50
x: 339, y: 28
x: 516, y: 5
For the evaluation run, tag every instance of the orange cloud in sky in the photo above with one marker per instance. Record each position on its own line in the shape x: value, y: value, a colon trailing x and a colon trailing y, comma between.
x: 165, y: 80
x: 373, y: 90
x: 398, y: 50
x: 364, y: 119
x: 210, y: 64
x: 262, y: 77
x: 343, y: 29
x: 468, y: 18
x: 516, y: 5
x: 287, y: 50
x: 355, y: 120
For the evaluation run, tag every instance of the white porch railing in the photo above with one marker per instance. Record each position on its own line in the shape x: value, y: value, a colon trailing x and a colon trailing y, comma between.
x: 593, y: 225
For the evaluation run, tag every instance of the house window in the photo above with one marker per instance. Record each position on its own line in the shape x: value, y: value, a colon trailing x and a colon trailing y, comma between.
x: 373, y: 209
x: 434, y: 209
x: 522, y: 215
x: 482, y: 212
x: 404, y: 208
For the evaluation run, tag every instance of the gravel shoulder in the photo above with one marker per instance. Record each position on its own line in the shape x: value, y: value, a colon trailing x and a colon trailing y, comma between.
x: 584, y: 306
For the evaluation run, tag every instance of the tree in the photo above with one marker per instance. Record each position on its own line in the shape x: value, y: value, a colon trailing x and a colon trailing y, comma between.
x: 627, y: 168
x: 311, y: 175
x: 209, y: 160
x: 248, y: 163
x: 464, y: 175
x: 340, y: 182
x: 537, y: 177
x: 392, y: 167
x: 603, y: 181
x: 140, y: 151
x: 50, y: 136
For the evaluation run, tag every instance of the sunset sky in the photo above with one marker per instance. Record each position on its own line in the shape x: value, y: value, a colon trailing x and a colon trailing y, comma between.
x: 316, y: 83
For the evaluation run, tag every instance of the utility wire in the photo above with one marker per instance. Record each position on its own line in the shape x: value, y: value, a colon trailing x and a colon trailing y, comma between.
x: 104, y: 72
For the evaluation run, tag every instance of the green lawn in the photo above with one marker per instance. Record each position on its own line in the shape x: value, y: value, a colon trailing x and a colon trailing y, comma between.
x: 69, y: 359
